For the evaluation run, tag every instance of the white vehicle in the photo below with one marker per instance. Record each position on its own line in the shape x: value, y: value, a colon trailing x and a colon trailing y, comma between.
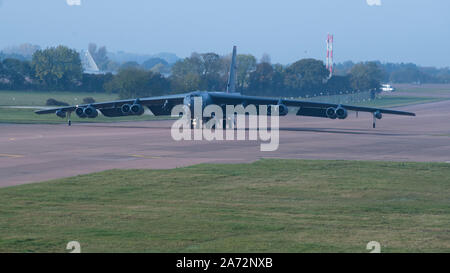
x: 387, y: 88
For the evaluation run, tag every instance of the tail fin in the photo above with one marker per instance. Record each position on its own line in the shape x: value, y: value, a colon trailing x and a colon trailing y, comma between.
x: 231, y: 86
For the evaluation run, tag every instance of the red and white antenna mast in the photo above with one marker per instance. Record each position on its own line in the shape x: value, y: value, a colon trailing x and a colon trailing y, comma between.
x: 329, y: 62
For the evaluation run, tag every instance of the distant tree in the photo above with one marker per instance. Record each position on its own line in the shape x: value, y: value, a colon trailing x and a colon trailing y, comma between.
x: 130, y: 64
x: 101, y: 58
x: 305, y: 77
x: 245, y: 65
x: 344, y: 68
x: 161, y: 69
x: 92, y: 48
x: 413, y: 74
x: 134, y: 83
x: 265, y: 58
x: 337, y: 84
x: 57, y: 67
x: 150, y: 63
x: 185, y: 75
x: 99, y: 55
x: 261, y: 80
x: 16, y: 74
x: 94, y: 82
x: 112, y: 66
x: 24, y: 50
x: 199, y: 72
x: 210, y: 63
x: 278, y: 86
x: 366, y: 76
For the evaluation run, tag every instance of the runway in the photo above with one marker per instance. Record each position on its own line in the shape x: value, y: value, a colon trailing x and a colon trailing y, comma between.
x: 33, y: 153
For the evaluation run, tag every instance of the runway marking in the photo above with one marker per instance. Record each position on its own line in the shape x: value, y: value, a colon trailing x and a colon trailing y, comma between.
x: 11, y: 156
x: 146, y: 156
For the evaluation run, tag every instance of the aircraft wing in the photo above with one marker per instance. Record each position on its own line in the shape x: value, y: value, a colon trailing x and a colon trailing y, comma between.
x: 235, y: 99
x: 154, y: 103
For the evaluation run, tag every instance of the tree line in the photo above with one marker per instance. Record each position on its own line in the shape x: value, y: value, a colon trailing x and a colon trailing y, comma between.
x: 60, y: 68
x: 403, y: 72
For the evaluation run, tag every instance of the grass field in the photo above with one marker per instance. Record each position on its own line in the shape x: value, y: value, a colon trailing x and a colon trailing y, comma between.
x: 267, y: 206
x: 38, y: 98
x: 27, y: 116
x: 432, y: 90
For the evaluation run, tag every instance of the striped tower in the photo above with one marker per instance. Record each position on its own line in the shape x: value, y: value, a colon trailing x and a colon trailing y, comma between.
x: 329, y: 62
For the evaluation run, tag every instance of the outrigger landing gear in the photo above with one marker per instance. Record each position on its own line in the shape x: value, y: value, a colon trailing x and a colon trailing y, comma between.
x: 376, y: 115
x: 69, y: 122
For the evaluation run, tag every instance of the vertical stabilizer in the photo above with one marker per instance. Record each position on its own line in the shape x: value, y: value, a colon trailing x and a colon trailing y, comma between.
x: 231, y: 86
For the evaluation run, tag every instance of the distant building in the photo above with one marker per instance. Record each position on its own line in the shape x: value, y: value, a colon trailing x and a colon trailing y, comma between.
x: 89, y: 65
x: 387, y: 88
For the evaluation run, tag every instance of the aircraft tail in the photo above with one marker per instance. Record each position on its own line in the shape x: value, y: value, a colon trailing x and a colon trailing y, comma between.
x: 231, y: 85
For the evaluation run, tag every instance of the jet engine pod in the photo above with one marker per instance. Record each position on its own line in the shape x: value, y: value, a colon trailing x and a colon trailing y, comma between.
x: 282, y: 109
x: 61, y: 113
x: 126, y: 108
x: 137, y: 109
x: 378, y: 115
x: 90, y: 112
x: 341, y: 113
x: 80, y: 112
x: 331, y: 113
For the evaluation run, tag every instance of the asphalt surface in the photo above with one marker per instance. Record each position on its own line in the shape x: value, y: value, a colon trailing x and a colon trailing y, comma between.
x: 33, y: 153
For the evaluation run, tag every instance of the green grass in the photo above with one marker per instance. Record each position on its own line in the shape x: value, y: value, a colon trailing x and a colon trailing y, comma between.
x: 267, y: 206
x: 442, y: 90
x: 27, y: 116
x: 38, y: 98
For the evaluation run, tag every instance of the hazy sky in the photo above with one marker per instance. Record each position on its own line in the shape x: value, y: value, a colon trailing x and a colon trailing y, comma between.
x: 387, y: 30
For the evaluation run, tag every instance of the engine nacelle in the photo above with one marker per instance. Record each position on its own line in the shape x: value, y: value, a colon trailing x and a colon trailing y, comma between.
x: 61, y: 113
x: 126, y: 108
x: 137, y: 109
x: 90, y: 112
x: 378, y: 115
x: 341, y: 113
x: 80, y: 112
x: 283, y: 110
x: 331, y: 113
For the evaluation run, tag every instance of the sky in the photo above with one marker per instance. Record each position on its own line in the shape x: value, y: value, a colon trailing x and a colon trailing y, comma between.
x: 415, y: 31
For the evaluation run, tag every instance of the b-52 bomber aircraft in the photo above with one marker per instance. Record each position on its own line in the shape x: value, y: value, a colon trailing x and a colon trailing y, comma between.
x: 163, y: 105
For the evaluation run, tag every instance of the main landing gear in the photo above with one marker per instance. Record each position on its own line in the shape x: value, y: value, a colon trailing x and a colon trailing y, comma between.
x: 226, y: 123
